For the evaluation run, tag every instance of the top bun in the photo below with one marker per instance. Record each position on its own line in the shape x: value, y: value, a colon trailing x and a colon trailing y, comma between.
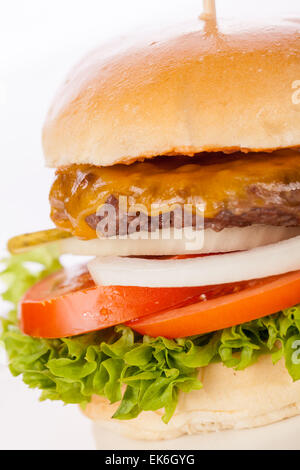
x: 200, y: 87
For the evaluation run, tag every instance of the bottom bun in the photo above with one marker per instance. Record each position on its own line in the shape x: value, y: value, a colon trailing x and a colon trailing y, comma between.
x: 262, y: 394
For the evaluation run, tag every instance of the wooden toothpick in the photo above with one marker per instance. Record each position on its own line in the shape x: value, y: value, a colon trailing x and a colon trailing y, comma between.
x: 209, y: 10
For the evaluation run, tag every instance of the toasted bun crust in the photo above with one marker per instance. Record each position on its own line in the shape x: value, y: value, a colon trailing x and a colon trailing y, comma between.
x: 192, y: 89
x: 262, y: 394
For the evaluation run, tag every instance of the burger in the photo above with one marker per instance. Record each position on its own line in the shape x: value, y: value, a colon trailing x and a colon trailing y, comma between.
x: 178, y: 180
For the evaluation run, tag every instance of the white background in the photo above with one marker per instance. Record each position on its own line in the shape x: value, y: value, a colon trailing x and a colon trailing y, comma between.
x: 39, y: 41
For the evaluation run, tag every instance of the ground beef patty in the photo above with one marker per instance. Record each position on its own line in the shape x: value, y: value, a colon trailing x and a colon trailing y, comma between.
x: 235, y: 191
x: 279, y: 215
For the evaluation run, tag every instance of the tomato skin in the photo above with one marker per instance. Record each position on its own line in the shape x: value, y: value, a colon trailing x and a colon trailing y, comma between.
x: 67, y: 305
x: 269, y: 296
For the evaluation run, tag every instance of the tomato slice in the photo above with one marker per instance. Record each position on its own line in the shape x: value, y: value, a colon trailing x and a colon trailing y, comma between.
x: 252, y: 300
x: 68, y: 303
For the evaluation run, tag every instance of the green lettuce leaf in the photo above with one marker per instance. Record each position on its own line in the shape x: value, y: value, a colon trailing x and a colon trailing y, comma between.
x: 141, y: 373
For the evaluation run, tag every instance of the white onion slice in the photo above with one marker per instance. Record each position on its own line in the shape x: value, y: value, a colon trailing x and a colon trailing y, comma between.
x: 181, y: 242
x: 277, y: 258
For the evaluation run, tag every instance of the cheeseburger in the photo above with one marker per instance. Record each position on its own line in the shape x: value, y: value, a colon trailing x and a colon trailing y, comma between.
x: 178, y: 177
